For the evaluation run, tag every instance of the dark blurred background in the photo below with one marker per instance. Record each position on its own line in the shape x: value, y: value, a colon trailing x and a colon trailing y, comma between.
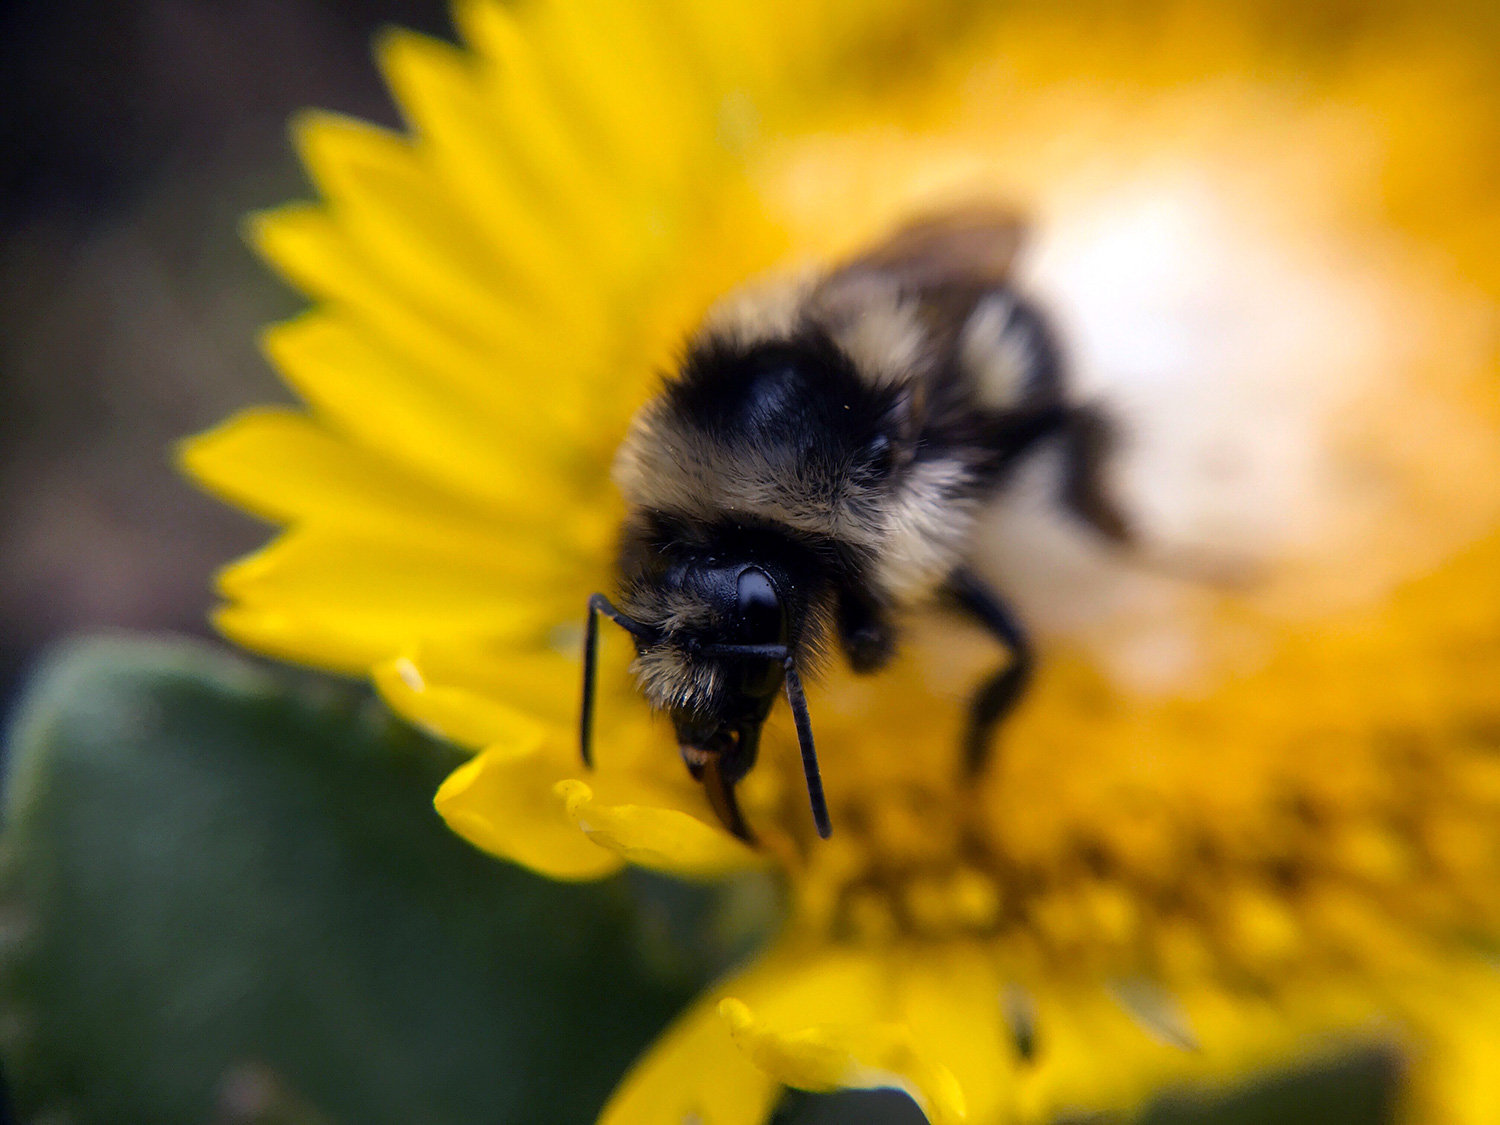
x: 134, y: 134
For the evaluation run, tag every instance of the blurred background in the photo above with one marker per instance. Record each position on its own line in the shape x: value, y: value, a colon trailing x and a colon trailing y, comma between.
x: 135, y: 134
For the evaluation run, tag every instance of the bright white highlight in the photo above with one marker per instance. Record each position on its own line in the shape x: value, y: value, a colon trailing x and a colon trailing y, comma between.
x: 1231, y: 357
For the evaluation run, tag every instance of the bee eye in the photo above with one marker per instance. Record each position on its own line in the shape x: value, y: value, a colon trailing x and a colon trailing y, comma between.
x: 758, y: 609
x: 761, y: 621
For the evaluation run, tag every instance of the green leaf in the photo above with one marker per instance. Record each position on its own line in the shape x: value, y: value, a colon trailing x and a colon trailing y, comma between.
x: 225, y: 897
x: 1360, y: 1088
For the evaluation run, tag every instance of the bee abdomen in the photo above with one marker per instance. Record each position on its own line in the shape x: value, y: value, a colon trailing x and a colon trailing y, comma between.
x: 1008, y: 354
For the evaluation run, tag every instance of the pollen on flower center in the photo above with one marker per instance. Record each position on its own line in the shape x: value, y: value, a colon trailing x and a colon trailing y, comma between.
x: 1346, y: 835
x: 1085, y: 910
x: 903, y: 865
x: 913, y: 865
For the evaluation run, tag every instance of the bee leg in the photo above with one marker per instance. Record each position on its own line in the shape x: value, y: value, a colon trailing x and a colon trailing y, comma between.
x: 867, y: 637
x: 1088, y: 439
x: 719, y: 786
x: 590, y: 679
x: 598, y: 604
x: 797, y: 700
x: 1000, y: 693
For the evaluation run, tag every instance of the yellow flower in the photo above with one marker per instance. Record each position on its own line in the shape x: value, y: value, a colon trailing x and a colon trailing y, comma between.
x: 1251, y: 806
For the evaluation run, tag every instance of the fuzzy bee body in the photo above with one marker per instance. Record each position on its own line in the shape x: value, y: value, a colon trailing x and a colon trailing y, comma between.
x: 816, y: 468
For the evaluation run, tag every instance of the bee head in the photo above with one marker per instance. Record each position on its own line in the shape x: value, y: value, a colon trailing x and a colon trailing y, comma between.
x: 716, y: 660
x: 722, y: 617
x: 724, y: 611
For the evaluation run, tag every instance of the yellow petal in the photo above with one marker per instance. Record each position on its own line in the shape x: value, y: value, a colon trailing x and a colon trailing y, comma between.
x: 744, y: 49
x: 542, y: 143
x: 1453, y: 1072
x: 349, y: 645
x: 504, y: 802
x: 465, y: 717
x: 429, y: 425
x: 499, y: 139
x: 285, y: 467
x: 693, y: 1073
x: 696, y: 1067
x: 831, y: 1057
x: 645, y: 114
x: 414, y: 588
x: 663, y: 839
x: 1095, y: 1052
x: 398, y: 214
x: 312, y: 252
x: 308, y: 249
x: 542, y: 682
x: 438, y: 88
x: 951, y: 999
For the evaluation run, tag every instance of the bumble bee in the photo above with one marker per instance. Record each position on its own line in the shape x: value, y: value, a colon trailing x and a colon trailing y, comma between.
x: 816, y: 468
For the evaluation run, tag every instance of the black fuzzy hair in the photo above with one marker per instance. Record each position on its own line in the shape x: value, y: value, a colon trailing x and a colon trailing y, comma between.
x: 800, y: 399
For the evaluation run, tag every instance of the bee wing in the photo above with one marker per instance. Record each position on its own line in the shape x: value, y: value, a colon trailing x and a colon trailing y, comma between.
x: 945, y: 262
x: 971, y: 248
x: 899, y: 308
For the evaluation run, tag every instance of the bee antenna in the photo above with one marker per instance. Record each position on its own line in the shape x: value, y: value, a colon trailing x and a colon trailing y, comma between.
x: 598, y: 604
x: 798, y: 700
x: 768, y: 652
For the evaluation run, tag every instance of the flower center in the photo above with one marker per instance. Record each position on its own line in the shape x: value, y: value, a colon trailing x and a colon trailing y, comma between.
x: 1357, y: 850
